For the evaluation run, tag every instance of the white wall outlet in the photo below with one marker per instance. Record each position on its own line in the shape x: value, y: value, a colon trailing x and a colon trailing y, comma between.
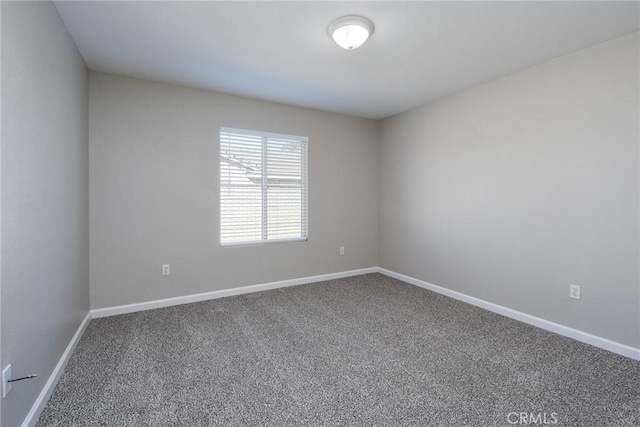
x: 6, y: 385
x: 166, y: 269
x: 574, y: 291
x: 341, y: 250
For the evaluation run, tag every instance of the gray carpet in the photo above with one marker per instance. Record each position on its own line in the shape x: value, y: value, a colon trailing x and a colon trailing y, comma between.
x: 366, y: 350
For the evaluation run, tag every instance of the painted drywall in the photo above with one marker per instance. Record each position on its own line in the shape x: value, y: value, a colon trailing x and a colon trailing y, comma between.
x: 45, y: 197
x: 154, y: 192
x: 513, y: 190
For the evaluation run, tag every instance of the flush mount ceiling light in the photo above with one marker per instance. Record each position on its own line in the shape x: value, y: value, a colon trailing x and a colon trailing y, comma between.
x: 350, y: 32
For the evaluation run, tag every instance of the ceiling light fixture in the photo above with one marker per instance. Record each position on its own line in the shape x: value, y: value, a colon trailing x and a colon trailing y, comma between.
x: 350, y: 32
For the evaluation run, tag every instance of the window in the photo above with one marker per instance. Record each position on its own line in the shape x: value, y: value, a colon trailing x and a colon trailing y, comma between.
x: 263, y: 187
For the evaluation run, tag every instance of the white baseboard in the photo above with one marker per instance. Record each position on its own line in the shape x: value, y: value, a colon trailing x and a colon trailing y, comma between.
x: 43, y: 397
x: 168, y: 302
x: 603, y: 343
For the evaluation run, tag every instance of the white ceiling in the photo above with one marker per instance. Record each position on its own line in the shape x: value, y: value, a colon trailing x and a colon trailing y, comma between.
x: 280, y: 51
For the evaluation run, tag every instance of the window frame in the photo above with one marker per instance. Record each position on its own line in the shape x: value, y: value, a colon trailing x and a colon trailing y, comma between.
x: 304, y: 190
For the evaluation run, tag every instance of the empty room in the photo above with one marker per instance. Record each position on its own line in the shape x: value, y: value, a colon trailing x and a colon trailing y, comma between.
x: 320, y: 213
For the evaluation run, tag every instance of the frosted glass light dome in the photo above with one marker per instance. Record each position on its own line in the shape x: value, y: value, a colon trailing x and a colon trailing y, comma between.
x: 350, y: 32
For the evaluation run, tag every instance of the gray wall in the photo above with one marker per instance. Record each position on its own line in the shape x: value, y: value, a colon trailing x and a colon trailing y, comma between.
x: 45, y: 196
x: 154, y: 192
x: 514, y: 189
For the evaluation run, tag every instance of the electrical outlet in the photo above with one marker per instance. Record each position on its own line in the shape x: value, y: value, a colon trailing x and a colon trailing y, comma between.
x: 341, y: 250
x: 574, y: 291
x: 166, y: 269
x: 6, y: 385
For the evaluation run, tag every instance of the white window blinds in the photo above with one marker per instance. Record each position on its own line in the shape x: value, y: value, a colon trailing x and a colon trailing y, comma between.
x: 263, y: 187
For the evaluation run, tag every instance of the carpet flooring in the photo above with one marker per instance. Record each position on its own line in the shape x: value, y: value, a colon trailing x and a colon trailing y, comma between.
x: 366, y: 350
